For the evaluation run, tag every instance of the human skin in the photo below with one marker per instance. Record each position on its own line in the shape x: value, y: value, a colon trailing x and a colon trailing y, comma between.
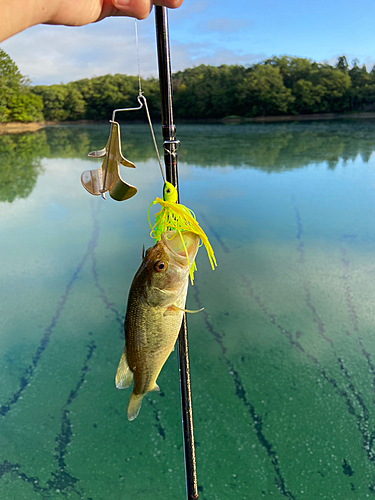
x: 17, y: 15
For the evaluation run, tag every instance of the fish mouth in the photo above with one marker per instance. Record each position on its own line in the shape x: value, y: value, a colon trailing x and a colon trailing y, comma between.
x: 173, y: 241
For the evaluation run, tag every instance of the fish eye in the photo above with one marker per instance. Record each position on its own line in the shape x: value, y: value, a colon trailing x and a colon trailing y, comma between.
x: 168, y: 191
x: 160, y: 266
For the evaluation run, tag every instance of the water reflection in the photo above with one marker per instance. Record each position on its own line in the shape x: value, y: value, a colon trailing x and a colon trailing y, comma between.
x: 278, y: 147
x: 272, y: 147
x: 20, y: 164
x: 269, y: 147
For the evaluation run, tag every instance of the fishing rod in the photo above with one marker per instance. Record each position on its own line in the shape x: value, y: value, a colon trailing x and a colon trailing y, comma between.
x: 171, y: 172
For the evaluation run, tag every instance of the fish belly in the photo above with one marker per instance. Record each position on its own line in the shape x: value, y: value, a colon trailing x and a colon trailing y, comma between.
x: 159, y: 335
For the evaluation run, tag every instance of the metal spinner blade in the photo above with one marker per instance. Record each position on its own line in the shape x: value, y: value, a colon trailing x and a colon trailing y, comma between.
x: 107, y: 177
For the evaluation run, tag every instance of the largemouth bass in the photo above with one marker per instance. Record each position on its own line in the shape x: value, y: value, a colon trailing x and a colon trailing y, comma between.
x: 155, y: 309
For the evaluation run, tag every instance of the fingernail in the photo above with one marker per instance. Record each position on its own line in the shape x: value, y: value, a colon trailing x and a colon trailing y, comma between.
x: 122, y: 4
x: 133, y: 8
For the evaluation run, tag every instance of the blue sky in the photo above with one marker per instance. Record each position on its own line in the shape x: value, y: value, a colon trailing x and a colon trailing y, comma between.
x: 202, y: 31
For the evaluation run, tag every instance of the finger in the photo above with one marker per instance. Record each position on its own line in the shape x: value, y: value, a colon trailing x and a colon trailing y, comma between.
x: 139, y: 9
x: 171, y: 4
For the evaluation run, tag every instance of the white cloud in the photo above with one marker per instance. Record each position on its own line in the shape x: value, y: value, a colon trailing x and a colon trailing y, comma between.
x: 54, y: 54
x: 59, y: 54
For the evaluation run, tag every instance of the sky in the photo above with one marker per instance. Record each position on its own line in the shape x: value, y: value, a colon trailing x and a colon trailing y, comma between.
x: 201, y: 32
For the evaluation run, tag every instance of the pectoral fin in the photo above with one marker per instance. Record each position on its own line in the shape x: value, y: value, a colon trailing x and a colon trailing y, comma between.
x: 124, y: 375
x: 176, y: 308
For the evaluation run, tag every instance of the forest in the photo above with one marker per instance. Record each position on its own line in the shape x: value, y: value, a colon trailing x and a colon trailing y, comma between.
x: 277, y: 86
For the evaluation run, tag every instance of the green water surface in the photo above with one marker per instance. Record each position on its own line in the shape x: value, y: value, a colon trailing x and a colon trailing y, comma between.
x: 282, y: 357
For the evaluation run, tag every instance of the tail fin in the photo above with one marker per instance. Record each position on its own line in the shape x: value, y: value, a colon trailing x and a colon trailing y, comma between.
x: 134, y: 406
x: 124, y: 375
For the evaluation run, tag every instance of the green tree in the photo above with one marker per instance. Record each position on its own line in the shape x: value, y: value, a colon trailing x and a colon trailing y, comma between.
x: 103, y: 94
x: 25, y: 107
x: 361, y: 92
x: 333, y: 85
x: 308, y: 97
x: 11, y: 81
x: 17, y: 103
x: 317, y: 88
x: 359, y: 75
x: 342, y: 63
x: 207, y: 91
x: 61, y: 102
x: 292, y: 69
x: 263, y: 92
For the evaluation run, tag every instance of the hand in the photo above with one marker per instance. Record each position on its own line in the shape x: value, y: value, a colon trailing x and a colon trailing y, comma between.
x: 79, y: 12
x: 17, y: 15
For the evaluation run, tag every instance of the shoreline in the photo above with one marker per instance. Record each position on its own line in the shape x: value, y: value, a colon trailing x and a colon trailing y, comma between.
x: 299, y: 118
x: 19, y: 127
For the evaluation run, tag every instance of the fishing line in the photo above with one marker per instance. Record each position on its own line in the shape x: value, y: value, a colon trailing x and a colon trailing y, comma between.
x: 152, y: 133
x: 137, y: 46
x: 143, y: 98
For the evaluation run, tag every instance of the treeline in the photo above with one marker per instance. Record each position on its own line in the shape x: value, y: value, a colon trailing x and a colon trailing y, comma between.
x: 96, y: 98
x: 277, y: 86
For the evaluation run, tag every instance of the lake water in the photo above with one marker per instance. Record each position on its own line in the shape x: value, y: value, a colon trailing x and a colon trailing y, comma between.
x: 282, y: 357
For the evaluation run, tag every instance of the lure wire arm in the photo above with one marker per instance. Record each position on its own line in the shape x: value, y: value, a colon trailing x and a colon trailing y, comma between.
x: 142, y: 103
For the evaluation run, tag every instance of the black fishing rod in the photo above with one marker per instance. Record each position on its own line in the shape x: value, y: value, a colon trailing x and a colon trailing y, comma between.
x: 171, y: 173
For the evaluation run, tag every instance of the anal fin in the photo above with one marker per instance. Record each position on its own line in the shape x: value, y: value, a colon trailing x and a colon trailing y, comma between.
x: 134, y: 406
x: 124, y: 375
